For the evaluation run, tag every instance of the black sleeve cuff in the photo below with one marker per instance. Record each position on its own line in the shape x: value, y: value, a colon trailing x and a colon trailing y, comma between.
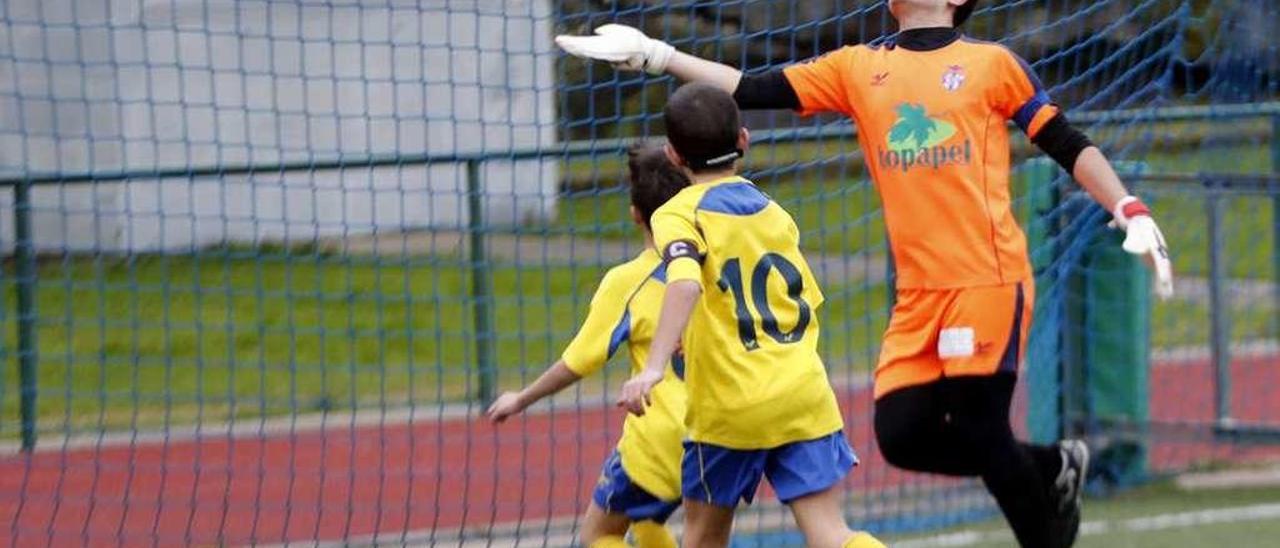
x: 1062, y: 141
x: 770, y: 90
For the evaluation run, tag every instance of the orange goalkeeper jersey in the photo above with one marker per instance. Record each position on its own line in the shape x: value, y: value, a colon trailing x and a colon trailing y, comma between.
x: 932, y: 125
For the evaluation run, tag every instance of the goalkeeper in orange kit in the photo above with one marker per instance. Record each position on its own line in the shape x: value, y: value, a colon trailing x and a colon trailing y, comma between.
x: 931, y: 106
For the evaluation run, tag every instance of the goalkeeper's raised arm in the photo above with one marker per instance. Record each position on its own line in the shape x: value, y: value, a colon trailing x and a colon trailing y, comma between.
x: 828, y: 84
x: 629, y: 49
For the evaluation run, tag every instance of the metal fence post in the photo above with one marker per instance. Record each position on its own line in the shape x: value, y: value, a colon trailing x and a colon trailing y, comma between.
x: 481, y: 286
x: 1275, y: 216
x: 1220, y: 330
x: 25, y: 290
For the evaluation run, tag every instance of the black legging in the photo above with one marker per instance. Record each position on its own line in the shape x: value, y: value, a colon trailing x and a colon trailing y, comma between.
x: 960, y: 427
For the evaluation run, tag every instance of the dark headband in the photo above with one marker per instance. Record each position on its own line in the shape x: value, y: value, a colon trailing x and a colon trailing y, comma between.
x: 715, y: 161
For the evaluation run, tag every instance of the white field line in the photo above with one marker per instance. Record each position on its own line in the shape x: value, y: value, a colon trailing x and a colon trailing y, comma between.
x: 554, y: 533
x: 1183, y: 355
x: 276, y: 427
x: 1145, y: 524
x: 1231, y: 479
x: 257, y: 428
x: 251, y: 428
x: 502, y: 536
x: 765, y: 516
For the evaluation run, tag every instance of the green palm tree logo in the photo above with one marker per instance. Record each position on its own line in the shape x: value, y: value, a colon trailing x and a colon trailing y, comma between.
x: 915, y: 129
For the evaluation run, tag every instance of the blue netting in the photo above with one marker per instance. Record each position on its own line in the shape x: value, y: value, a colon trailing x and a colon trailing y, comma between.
x: 264, y: 261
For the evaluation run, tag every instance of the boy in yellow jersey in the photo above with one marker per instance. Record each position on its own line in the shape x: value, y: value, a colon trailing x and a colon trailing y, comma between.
x: 760, y: 404
x: 639, y: 485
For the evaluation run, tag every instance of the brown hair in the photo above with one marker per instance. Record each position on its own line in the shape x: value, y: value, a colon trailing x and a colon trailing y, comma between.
x: 654, y: 179
x: 703, y: 125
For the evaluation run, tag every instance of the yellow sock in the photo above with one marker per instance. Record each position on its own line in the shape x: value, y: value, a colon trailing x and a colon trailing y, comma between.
x: 651, y: 534
x: 863, y: 540
x: 611, y: 541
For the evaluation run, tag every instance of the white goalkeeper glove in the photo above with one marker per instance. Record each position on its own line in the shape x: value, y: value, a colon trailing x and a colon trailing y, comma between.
x: 1144, y: 239
x: 626, y: 47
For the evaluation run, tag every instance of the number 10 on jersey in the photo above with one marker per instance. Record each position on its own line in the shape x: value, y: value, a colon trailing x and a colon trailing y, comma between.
x: 731, y: 280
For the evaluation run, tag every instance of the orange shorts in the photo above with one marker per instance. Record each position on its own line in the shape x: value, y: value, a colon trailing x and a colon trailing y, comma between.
x: 954, y: 332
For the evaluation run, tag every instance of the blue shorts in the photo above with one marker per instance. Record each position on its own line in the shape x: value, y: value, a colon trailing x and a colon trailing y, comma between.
x: 721, y: 476
x: 616, y: 494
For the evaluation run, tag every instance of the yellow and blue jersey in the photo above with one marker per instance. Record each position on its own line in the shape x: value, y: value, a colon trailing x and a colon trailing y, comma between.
x: 754, y: 376
x: 625, y: 310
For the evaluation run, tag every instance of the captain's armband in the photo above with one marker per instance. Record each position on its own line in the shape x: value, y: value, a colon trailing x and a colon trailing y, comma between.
x: 682, y: 249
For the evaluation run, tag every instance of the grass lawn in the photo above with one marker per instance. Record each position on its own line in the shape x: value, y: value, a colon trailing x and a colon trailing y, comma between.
x: 1155, y: 501
x: 136, y: 343
x: 211, y: 336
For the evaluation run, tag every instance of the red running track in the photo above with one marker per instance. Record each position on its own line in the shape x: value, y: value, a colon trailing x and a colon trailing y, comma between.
x: 441, y: 475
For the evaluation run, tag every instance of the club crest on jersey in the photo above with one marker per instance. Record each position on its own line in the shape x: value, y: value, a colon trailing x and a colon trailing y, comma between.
x: 918, y: 139
x: 953, y: 78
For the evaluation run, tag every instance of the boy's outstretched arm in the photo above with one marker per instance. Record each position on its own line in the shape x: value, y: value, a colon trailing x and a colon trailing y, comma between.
x: 554, y: 379
x: 601, y: 334
x: 677, y: 306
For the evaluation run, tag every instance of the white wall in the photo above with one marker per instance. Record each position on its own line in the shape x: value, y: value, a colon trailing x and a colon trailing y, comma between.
x: 161, y: 84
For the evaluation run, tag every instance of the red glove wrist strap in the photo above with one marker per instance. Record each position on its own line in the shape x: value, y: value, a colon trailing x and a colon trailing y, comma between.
x: 1135, y: 208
